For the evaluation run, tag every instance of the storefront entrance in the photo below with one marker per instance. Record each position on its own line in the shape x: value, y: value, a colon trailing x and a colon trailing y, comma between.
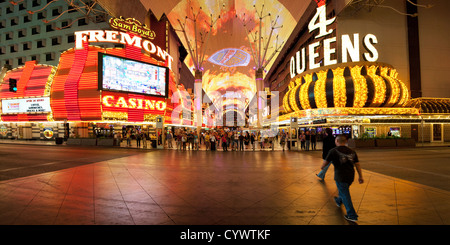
x: 437, y: 133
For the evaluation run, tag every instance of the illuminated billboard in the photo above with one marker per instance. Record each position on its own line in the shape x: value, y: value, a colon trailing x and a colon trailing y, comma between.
x: 29, y: 105
x: 132, y: 76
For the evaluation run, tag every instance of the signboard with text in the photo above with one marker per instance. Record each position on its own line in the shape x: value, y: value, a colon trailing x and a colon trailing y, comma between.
x: 29, y: 105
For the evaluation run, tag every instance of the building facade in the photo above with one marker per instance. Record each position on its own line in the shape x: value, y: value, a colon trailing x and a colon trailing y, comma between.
x: 42, y: 29
x: 357, y: 67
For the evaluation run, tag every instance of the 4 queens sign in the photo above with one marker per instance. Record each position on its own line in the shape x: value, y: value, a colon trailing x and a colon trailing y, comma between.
x: 350, y: 51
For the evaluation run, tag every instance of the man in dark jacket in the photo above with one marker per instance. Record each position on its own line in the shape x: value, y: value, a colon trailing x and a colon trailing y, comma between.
x: 328, y: 144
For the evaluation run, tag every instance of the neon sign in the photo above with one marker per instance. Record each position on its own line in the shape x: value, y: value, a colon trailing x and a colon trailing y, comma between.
x: 319, y: 21
x: 132, y: 25
x: 133, y: 103
x: 122, y: 38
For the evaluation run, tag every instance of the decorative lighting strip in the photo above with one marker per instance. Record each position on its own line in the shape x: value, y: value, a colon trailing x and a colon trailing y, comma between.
x: 114, y: 116
x: 346, y: 111
x: 71, y: 84
x: 319, y: 89
x: 304, y: 98
x: 380, y: 86
x: 339, y: 88
x: 395, y: 87
x: 286, y: 106
x: 292, y: 100
x: 360, y: 87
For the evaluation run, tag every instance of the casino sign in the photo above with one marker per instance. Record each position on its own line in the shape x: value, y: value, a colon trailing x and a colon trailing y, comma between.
x: 351, y: 84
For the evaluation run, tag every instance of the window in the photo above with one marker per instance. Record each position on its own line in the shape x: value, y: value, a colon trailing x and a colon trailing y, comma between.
x: 82, y: 22
x: 2, y: 24
x: 9, y: 10
x: 56, y: 41
x: 22, y: 6
x: 8, y: 36
x: 36, y: 3
x: 100, y: 18
x: 71, y: 9
x: 22, y: 33
x: 42, y: 15
x: 35, y: 57
x: 41, y: 43
x: 26, y: 46
x: 49, y: 56
x: 56, y: 11
x: 65, y: 24
x: 71, y: 38
x: 26, y: 19
x: 14, y: 21
x: 35, y: 30
x: 2, y: 50
x: 13, y: 48
x: 21, y: 61
x: 49, y: 28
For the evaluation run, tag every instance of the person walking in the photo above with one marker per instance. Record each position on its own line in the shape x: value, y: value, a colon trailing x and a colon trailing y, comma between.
x: 224, y: 142
x: 345, y: 160
x: 302, y: 140
x: 207, y: 142
x: 328, y: 144
x: 128, y: 138
x: 213, y: 142
x: 169, y: 139
x: 138, y: 140
x: 252, y: 140
x: 144, y: 140
x: 196, y: 141
x: 313, y: 141
x: 184, y: 141
x: 241, y: 142
x: 283, y: 140
x: 307, y: 140
x: 179, y: 143
x: 235, y: 141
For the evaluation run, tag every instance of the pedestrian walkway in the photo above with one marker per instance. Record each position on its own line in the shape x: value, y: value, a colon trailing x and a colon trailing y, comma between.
x: 207, y: 188
x: 277, y: 146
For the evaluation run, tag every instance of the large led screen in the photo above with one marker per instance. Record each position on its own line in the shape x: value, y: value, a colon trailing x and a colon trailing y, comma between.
x: 126, y: 75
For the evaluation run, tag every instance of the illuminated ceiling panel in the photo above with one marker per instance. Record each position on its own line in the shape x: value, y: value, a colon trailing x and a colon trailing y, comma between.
x: 235, y: 73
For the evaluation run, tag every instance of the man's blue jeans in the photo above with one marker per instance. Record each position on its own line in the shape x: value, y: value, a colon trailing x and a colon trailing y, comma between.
x: 345, y: 198
x: 322, y: 173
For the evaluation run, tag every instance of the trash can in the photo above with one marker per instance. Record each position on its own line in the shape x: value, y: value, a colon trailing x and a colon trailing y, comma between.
x: 59, y: 140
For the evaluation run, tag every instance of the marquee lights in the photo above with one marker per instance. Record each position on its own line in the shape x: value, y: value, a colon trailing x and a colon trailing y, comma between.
x: 304, y: 97
x: 319, y: 90
x: 360, y: 87
x: 385, y: 89
x: 133, y: 103
x: 339, y: 88
x: 349, y: 46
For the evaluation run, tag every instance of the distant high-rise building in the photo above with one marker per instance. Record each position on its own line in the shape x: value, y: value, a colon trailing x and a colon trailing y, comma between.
x: 45, y: 34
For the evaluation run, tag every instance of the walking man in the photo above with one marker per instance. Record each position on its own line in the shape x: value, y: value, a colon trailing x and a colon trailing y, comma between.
x: 345, y: 161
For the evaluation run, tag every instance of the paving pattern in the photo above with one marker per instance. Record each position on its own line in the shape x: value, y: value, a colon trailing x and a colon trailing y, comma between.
x: 169, y: 187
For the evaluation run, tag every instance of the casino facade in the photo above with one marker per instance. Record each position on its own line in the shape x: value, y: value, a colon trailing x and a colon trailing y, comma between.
x: 87, y: 95
x: 366, y: 71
